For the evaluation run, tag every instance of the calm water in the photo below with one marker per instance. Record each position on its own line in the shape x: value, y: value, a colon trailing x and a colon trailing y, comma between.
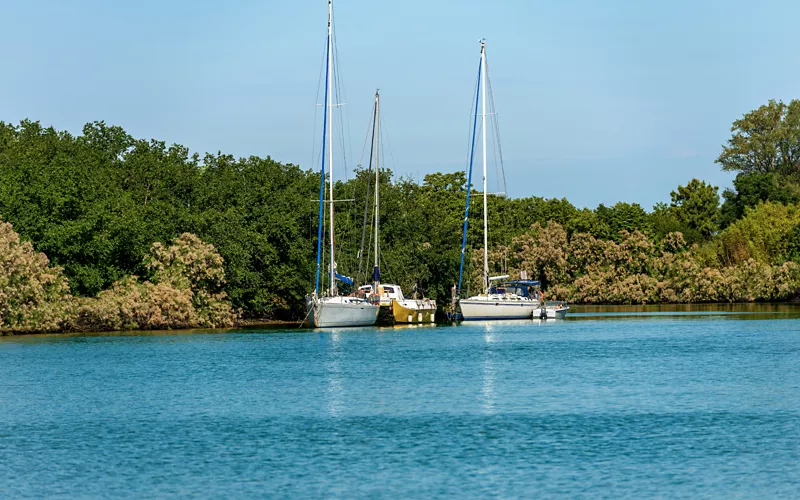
x: 632, y: 403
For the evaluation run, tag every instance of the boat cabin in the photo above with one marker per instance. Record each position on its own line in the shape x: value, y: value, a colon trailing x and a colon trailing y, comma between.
x: 386, y: 292
x: 520, y: 288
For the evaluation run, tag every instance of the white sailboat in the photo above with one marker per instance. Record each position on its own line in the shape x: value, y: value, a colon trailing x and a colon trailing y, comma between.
x: 332, y: 310
x: 389, y: 295
x: 512, y: 301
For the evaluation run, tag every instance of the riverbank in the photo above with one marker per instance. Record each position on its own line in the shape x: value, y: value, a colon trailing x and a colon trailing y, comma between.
x: 577, y: 311
x: 241, y: 325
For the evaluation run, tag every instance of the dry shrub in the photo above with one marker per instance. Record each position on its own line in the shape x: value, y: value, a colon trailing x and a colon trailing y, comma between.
x: 185, y: 293
x: 131, y: 305
x: 187, y: 263
x: 545, y: 252
x: 33, y: 295
x: 635, y: 270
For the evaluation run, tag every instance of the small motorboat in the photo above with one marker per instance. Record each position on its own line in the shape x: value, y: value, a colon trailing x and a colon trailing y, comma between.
x: 551, y: 310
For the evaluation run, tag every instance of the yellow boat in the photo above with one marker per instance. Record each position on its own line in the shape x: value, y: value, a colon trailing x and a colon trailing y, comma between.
x: 412, y: 311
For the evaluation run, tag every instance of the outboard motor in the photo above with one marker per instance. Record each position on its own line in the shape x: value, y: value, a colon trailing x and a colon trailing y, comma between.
x: 542, y: 312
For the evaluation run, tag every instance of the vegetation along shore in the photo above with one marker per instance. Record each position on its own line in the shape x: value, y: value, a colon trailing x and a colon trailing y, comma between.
x: 102, y: 231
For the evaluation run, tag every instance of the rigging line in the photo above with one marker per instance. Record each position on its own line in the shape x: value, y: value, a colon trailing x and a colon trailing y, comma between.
x: 493, y: 133
x: 346, y: 232
x: 340, y: 112
x: 504, y: 203
x: 348, y: 237
x: 314, y: 157
x: 473, y: 110
x: 387, y: 271
x: 341, y: 97
x: 369, y: 251
x: 310, y: 310
x: 471, y: 133
x: 320, y: 230
x: 385, y: 139
x: 366, y: 203
x: 469, y: 179
x: 496, y: 122
x: 364, y: 146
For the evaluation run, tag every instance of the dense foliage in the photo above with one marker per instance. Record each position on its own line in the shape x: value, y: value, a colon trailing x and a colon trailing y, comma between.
x: 96, y: 203
x: 638, y: 270
x: 764, y: 150
x: 185, y: 291
x: 33, y: 295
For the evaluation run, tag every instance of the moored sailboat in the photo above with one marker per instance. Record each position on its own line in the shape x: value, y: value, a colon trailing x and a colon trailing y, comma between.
x: 413, y: 311
x: 402, y: 309
x: 332, y: 310
x: 390, y: 296
x: 495, y: 302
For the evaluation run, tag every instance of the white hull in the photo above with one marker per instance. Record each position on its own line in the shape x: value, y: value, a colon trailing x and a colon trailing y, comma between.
x: 490, y: 308
x: 418, y: 305
x: 342, y: 311
x: 551, y: 313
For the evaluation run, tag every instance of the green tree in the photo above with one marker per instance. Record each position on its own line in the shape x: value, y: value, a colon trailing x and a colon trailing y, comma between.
x: 765, y: 140
x: 764, y: 234
x: 697, y: 206
x: 754, y: 188
x: 587, y: 221
x: 623, y: 216
x: 664, y: 221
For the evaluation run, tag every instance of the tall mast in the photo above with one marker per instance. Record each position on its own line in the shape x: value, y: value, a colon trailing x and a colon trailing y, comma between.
x: 329, y: 104
x: 322, y: 169
x: 366, y: 201
x: 376, y: 273
x: 469, y: 174
x: 485, y: 212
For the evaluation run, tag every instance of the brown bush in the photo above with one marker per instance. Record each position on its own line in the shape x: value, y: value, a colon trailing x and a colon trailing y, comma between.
x: 635, y: 270
x: 33, y: 295
x: 131, y: 305
x: 187, y: 275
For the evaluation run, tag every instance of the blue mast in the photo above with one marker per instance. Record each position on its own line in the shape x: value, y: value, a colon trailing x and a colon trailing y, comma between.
x: 322, y: 172
x: 469, y: 178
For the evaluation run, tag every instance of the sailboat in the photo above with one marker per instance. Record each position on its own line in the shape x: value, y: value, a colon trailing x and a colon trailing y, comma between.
x: 331, y: 309
x: 390, y: 296
x: 511, y: 299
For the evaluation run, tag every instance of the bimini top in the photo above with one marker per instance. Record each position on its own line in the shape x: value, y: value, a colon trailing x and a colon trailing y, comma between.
x: 522, y: 283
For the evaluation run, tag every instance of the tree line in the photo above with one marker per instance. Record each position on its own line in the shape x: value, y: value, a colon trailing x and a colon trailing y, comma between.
x: 96, y: 203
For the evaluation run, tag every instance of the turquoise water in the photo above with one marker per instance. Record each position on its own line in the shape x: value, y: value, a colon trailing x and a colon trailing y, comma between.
x: 599, y: 405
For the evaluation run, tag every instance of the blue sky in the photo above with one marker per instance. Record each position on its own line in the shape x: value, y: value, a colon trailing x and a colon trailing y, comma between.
x: 597, y: 101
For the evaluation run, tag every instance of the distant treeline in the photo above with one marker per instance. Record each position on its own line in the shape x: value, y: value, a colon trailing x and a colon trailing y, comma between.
x: 96, y: 203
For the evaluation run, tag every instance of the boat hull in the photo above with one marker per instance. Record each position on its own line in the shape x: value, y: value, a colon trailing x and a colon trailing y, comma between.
x: 341, y: 312
x: 414, y: 311
x: 473, y: 310
x: 551, y: 313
